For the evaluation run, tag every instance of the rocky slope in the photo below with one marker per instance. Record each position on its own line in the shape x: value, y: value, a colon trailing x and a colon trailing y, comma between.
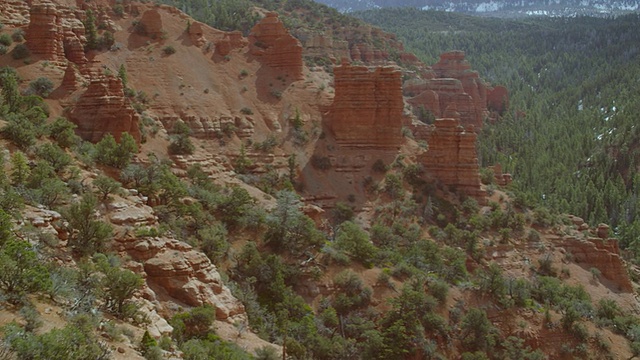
x: 258, y: 106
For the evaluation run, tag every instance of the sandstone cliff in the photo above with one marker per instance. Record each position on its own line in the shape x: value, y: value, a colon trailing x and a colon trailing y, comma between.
x: 367, y: 107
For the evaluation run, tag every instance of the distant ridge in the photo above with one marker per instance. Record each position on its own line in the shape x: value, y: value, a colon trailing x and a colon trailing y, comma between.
x: 506, y: 8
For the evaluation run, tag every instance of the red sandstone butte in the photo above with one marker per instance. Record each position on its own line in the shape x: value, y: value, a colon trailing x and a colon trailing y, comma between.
x: 452, y: 156
x: 279, y: 50
x: 103, y: 109
x: 367, y: 107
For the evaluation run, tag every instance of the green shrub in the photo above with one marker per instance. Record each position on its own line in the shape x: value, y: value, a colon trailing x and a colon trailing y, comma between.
x: 91, y: 234
x: 71, y: 342
x: 118, y: 286
x: 194, y: 324
x: 18, y: 35
x: 169, y: 50
x: 5, y: 39
x: 21, y: 271
x: 109, y: 152
x: 21, y: 51
x: 3, y: 49
x: 320, y: 162
x: 246, y: 110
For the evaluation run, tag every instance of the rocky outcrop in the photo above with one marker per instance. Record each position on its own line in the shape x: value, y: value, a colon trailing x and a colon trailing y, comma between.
x: 150, y: 24
x: 453, y: 82
x: 185, y: 274
x: 502, y: 179
x: 279, y: 50
x: 74, y: 49
x: 603, y: 254
x: 229, y: 42
x: 367, y: 107
x: 14, y: 12
x: 196, y: 34
x: 204, y: 127
x: 103, y: 109
x: 70, y: 79
x: 169, y: 266
x: 452, y: 156
x: 44, y: 35
x: 497, y: 99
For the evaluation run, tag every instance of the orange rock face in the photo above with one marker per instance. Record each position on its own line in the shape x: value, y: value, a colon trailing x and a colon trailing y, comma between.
x: 367, y: 107
x: 498, y: 99
x: 230, y: 41
x: 103, y: 109
x: 44, y: 36
x: 279, y: 50
x: 453, y: 82
x: 602, y: 254
x: 196, y: 34
x: 452, y: 156
x: 151, y: 24
x: 70, y: 81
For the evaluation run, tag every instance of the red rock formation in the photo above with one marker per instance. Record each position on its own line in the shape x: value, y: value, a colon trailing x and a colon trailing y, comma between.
x: 270, y: 40
x: 176, y: 269
x: 44, y: 35
x: 73, y: 49
x: 501, y: 178
x: 104, y: 109
x: 196, y: 34
x: 498, y: 99
x: 602, y: 254
x: 454, y: 83
x: 367, y: 107
x: 229, y: 42
x: 70, y: 80
x: 151, y: 24
x: 452, y: 156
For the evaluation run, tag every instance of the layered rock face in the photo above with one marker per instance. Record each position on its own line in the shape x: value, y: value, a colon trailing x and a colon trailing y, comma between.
x: 230, y: 41
x: 603, y: 254
x: 151, y: 24
x: 55, y: 33
x: 452, y: 156
x: 367, y: 107
x: 44, y: 35
x: 453, y: 82
x: 103, y: 109
x: 172, y: 267
x: 279, y: 50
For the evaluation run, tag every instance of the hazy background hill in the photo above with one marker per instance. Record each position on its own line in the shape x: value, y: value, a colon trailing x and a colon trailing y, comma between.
x: 496, y: 8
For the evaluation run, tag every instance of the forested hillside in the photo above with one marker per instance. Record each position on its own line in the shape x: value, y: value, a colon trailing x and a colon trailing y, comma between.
x: 570, y: 137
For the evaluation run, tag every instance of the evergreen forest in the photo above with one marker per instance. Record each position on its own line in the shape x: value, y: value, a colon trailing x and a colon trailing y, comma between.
x: 570, y: 137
